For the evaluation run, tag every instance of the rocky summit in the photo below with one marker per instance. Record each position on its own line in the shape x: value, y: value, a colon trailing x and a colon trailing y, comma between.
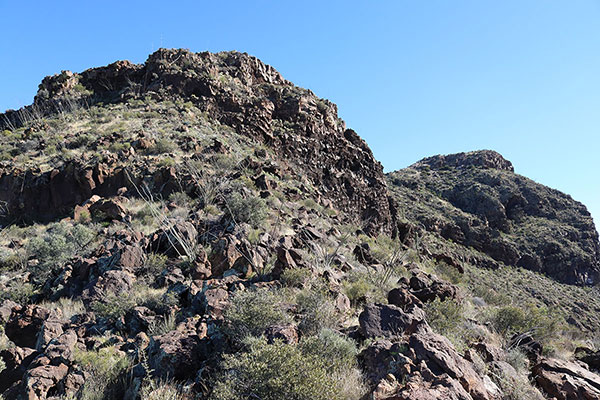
x: 198, y: 227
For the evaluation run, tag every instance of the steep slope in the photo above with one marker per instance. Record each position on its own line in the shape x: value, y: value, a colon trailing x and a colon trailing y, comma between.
x: 475, y: 199
x: 232, y: 89
x: 196, y: 227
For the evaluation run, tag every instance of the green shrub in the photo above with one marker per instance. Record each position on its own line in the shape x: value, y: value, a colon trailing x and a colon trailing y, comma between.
x: 106, y: 368
x: 274, y: 372
x: 114, y: 306
x: 444, y: 316
x: 119, y: 147
x: 161, y: 391
x: 316, y: 310
x: 60, y: 243
x: 251, y: 210
x: 154, y: 266
x: 12, y: 259
x: 358, y: 289
x: 162, y: 145
x: 335, y: 351
x: 295, y: 277
x: 161, y: 326
x: 539, y: 321
x: 19, y: 293
x: 251, y: 312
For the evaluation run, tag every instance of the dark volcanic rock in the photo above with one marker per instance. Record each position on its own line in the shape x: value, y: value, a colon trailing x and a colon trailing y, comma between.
x: 512, y: 219
x: 379, y: 320
x: 251, y: 97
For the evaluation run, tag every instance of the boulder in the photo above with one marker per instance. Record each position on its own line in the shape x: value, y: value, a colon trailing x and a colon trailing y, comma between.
x: 286, y: 333
x: 566, y: 380
x: 179, y: 354
x: 380, y: 320
x: 16, y: 361
x: 24, y: 325
x: 39, y: 381
x: 441, y: 358
x: 108, y: 209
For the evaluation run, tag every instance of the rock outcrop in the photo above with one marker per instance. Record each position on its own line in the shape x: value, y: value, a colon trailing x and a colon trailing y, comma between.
x: 512, y: 219
x: 238, y: 91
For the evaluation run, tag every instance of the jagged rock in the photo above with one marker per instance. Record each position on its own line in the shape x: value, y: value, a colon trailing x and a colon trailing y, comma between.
x: 24, y: 325
x: 212, y: 301
x: 441, y: 358
x: 6, y: 310
x: 497, y: 212
x: 225, y: 255
x: 402, y: 297
x: 287, y: 257
x: 131, y: 258
x: 41, y: 380
x: 139, y: 319
x: 379, y: 320
x: 16, y: 360
x: 112, y: 282
x: 330, y: 156
x: 383, y: 357
x: 489, y: 352
x: 566, y: 380
x: 60, y: 349
x: 51, y: 328
x: 109, y: 209
x: 528, y: 345
x: 442, y: 388
x: 342, y: 303
x: 201, y: 268
x: 179, y: 354
x: 286, y: 333
x: 588, y: 356
x: 428, y: 287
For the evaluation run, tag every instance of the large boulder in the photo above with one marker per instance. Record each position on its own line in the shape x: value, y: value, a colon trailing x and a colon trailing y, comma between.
x: 25, y: 324
x: 180, y: 353
x: 441, y: 359
x: 566, y: 380
x: 380, y: 320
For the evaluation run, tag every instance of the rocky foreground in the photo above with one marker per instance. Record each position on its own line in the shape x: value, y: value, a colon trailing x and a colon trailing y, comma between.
x: 199, y: 227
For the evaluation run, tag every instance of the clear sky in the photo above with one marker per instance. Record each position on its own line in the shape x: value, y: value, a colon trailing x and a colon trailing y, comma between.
x: 414, y: 78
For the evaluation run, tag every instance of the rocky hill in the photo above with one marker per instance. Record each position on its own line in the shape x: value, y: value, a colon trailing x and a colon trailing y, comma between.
x: 477, y: 200
x: 197, y: 227
x: 231, y: 89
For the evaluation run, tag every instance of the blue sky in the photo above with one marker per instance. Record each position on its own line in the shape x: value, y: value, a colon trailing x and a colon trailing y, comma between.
x: 414, y: 78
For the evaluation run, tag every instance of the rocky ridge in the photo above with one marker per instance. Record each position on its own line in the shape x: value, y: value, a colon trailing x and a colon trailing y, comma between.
x: 476, y: 199
x: 198, y: 217
x: 231, y: 88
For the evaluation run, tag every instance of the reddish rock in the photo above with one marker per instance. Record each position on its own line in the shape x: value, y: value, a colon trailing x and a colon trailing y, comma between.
x: 109, y: 209
x: 178, y: 354
x: 286, y: 333
x: 24, y: 325
x: 441, y: 358
x: 16, y: 360
x: 41, y: 380
x: 566, y: 380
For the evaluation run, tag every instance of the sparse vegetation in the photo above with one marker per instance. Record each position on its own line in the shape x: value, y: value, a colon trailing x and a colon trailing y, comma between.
x: 106, y: 368
x: 252, y: 311
x: 275, y: 371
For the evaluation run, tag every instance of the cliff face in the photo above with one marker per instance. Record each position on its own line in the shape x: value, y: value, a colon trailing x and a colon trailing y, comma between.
x: 233, y: 89
x: 476, y: 199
